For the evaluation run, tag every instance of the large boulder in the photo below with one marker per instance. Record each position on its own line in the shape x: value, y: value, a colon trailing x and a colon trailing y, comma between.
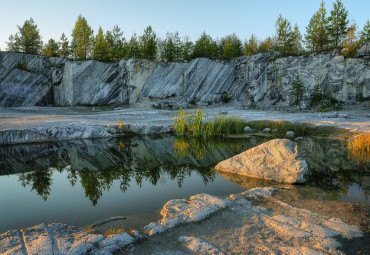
x: 276, y: 160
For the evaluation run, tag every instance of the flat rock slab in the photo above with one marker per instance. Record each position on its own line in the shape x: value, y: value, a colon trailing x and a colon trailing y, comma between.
x: 276, y: 160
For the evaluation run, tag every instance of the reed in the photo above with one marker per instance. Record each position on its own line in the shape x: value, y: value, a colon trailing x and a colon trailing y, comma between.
x: 359, y: 147
x: 200, y: 125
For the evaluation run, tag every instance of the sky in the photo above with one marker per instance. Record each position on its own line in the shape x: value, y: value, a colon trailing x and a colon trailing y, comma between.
x: 189, y: 17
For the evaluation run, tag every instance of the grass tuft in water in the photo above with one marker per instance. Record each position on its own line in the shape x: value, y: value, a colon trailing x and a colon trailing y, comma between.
x: 112, y: 231
x: 200, y: 125
x: 359, y: 147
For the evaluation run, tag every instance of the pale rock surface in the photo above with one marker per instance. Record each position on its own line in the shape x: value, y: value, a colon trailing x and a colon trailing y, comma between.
x: 277, y: 160
x: 290, y: 134
x: 266, y: 130
x: 199, y: 246
x: 247, y: 130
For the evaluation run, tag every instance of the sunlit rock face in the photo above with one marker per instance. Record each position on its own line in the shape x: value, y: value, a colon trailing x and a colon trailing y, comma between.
x: 277, y: 160
x: 261, y: 80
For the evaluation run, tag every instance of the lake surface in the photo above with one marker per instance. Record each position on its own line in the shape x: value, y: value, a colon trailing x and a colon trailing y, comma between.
x: 81, y: 181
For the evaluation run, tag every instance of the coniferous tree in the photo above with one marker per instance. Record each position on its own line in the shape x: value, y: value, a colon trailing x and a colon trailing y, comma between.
x: 51, y: 49
x: 316, y: 96
x: 100, y: 51
x: 297, y: 40
x: 82, y: 35
x: 251, y: 47
x: 284, y: 36
x: 297, y: 89
x: 365, y: 33
x: 188, y: 48
x: 27, y: 40
x: 148, y: 44
x: 205, y: 46
x: 169, y: 49
x: 133, y: 47
x: 265, y: 45
x: 230, y: 46
x: 64, y: 50
x: 351, y: 42
x: 317, y: 36
x: 338, y: 24
x: 12, y: 44
x: 116, y: 44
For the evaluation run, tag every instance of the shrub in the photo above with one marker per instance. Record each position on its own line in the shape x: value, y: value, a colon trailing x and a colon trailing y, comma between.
x: 225, y: 98
x: 21, y: 66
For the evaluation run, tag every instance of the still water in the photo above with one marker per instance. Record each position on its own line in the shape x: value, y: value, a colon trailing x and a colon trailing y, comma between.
x: 81, y: 181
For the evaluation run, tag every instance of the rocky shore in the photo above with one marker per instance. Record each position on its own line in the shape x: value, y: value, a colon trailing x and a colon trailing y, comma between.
x: 251, y: 222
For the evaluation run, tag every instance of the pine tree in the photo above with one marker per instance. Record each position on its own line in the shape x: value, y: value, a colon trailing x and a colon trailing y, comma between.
x: 12, y: 44
x: 350, y: 43
x: 265, y: 45
x: 64, y: 50
x: 27, y: 40
x: 338, y: 24
x: 148, y: 44
x: 297, y: 89
x: 133, y: 47
x: 51, y: 49
x: 316, y: 37
x: 251, y: 47
x: 227, y: 49
x: 297, y: 40
x: 188, y: 48
x: 284, y: 36
x: 100, y: 51
x: 116, y: 44
x: 230, y: 46
x: 205, y: 46
x: 316, y: 96
x: 365, y: 33
x: 169, y: 48
x: 82, y: 35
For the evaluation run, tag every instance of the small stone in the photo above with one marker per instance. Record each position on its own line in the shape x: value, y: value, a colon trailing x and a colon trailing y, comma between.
x: 300, y: 138
x: 247, y: 130
x: 290, y: 134
x: 275, y: 131
x: 266, y: 130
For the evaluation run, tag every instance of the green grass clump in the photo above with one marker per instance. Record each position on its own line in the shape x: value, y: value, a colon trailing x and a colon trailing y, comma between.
x: 198, y: 124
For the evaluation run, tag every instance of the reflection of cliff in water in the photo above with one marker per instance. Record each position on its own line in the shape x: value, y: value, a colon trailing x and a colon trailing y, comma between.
x: 97, y: 163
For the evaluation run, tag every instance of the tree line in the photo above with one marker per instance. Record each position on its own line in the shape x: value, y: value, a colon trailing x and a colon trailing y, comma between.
x: 323, y: 32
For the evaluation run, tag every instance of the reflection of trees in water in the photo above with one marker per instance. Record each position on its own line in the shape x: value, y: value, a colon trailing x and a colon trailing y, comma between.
x: 39, y: 180
x: 95, y: 182
x: 183, y: 155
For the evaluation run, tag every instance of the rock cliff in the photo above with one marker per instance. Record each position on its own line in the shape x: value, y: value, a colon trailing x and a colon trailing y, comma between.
x: 258, y: 80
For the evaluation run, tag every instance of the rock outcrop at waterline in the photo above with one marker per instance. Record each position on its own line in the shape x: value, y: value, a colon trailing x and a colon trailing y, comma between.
x: 259, y: 80
x: 276, y: 160
x: 284, y: 230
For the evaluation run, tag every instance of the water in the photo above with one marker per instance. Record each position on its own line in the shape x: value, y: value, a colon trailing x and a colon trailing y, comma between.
x: 81, y: 181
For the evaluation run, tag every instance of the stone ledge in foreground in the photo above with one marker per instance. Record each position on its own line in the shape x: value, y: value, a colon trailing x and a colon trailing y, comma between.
x: 295, y: 231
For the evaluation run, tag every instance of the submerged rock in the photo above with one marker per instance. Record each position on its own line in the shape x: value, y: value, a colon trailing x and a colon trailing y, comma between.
x: 276, y: 160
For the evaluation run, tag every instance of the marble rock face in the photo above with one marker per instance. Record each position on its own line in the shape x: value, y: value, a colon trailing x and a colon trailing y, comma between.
x: 261, y: 80
x: 276, y: 160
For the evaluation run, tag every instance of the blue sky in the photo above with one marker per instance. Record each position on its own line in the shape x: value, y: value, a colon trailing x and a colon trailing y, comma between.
x: 190, y: 17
